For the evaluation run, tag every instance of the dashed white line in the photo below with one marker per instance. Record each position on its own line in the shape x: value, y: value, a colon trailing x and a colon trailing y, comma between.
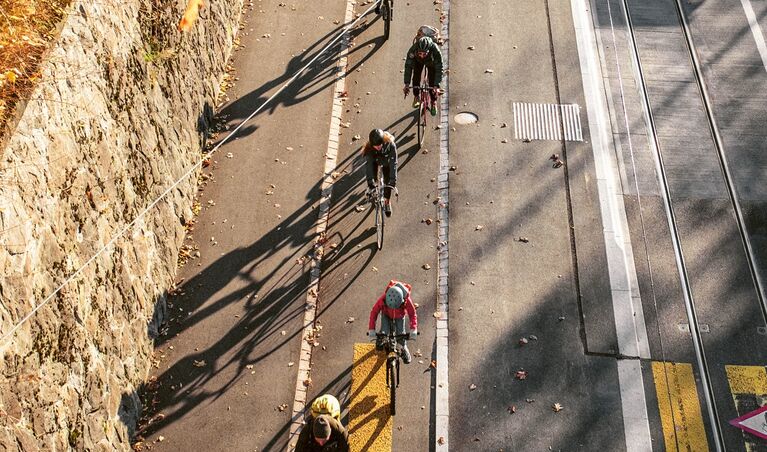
x: 304, y: 363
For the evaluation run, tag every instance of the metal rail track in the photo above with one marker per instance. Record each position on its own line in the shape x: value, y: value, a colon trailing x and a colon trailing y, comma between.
x: 758, y: 281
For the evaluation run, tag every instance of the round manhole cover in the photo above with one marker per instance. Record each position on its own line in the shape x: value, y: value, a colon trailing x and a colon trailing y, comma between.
x: 466, y: 117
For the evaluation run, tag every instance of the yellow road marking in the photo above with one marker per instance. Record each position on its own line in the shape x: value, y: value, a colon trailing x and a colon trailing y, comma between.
x: 370, y: 425
x: 747, y: 380
x: 679, y: 407
x: 748, y: 385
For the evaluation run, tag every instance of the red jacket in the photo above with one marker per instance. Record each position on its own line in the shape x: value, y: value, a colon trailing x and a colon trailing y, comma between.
x: 408, y: 308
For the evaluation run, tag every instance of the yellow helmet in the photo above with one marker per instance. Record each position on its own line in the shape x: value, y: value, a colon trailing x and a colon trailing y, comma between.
x: 326, y: 404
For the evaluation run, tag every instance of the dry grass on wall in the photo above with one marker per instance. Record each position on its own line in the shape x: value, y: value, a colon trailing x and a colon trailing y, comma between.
x: 27, y: 28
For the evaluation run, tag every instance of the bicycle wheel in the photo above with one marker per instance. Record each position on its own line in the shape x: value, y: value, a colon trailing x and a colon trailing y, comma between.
x: 392, y: 369
x: 379, y: 224
x: 421, y: 123
x: 386, y: 15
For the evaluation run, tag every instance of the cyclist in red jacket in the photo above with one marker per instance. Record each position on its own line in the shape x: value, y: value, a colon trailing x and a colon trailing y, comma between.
x: 393, y: 305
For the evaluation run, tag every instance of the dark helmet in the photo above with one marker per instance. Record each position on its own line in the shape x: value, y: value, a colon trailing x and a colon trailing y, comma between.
x: 424, y: 44
x: 376, y: 137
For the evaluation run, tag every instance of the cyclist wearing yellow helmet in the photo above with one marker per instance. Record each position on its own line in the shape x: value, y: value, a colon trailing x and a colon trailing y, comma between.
x: 326, y: 404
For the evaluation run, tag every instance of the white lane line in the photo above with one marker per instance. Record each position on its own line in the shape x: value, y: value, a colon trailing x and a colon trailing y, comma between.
x: 629, y: 319
x: 310, y: 312
x: 441, y: 391
x: 756, y: 30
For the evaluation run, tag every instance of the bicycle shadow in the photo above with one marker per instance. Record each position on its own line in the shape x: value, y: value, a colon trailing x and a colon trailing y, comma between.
x: 318, y: 77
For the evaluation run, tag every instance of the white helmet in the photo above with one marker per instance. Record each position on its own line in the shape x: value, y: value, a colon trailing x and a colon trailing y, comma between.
x: 395, y: 297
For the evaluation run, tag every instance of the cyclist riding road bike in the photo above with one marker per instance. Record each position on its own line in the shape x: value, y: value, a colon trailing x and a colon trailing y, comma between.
x: 381, y: 151
x: 424, y: 53
x: 393, y: 305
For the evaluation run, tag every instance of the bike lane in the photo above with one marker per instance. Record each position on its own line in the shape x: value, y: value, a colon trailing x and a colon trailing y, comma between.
x: 354, y: 272
x: 227, y: 365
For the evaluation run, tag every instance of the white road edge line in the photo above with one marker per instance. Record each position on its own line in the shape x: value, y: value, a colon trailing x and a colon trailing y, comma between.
x: 632, y: 337
x: 312, y: 294
x: 756, y: 30
x: 441, y: 391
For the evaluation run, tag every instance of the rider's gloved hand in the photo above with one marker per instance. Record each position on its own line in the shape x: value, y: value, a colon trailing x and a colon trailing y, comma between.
x: 405, y: 90
x: 372, y: 334
x: 413, y: 335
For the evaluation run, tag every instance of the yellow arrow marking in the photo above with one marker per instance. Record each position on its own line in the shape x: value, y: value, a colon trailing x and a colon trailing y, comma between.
x: 370, y: 426
x: 748, y: 385
x: 679, y: 407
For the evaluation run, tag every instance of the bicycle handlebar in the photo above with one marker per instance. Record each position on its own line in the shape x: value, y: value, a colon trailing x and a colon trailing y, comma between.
x: 396, y: 336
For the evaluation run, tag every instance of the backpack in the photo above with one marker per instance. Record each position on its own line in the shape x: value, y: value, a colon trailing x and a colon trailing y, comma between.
x: 429, y: 31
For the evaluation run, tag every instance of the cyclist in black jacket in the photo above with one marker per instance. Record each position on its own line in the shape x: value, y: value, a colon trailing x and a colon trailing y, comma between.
x: 381, y: 150
x: 423, y: 53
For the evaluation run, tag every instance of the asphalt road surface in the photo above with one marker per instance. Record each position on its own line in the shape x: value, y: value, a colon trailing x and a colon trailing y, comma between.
x: 552, y: 262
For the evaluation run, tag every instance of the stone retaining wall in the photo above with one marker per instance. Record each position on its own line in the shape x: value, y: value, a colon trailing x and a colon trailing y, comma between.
x: 119, y: 114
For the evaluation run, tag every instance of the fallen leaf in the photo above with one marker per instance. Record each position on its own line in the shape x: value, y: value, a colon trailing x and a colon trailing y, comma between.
x: 441, y: 440
x: 488, y: 71
x: 521, y: 374
x: 437, y: 315
x: 356, y: 138
x: 504, y: 125
x: 533, y: 337
x: 359, y: 208
x: 523, y: 341
x: 472, y: 387
x: 471, y: 47
x: 350, y: 320
x: 557, y: 407
x: 512, y: 409
x: 426, y: 266
x: 191, y: 14
x: 200, y: 363
x: 291, y: 364
x: 523, y: 239
x: 479, y: 227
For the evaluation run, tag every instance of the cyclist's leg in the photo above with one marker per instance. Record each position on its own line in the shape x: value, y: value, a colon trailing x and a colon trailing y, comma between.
x: 386, y: 328
x: 386, y: 172
x: 399, y: 328
x: 417, y: 70
x: 432, y: 76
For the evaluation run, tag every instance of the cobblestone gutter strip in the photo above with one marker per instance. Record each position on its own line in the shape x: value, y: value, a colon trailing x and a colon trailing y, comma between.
x: 442, y: 412
x: 304, y: 364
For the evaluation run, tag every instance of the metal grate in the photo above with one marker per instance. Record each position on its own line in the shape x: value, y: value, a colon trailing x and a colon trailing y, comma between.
x: 547, y: 121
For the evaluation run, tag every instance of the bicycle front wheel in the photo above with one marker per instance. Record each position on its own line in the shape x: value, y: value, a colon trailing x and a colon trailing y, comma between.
x: 392, y: 369
x: 379, y: 223
x: 421, y: 124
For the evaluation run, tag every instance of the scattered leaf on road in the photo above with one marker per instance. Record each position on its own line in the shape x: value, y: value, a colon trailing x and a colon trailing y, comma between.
x: 472, y: 387
x: 200, y: 363
x: 521, y: 374
x: 479, y: 227
x: 426, y: 266
x: 557, y: 407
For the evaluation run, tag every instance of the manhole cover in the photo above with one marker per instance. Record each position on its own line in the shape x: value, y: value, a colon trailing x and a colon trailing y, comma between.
x: 466, y: 117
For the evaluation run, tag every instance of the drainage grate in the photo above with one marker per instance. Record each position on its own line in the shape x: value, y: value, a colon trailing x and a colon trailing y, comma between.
x: 547, y: 121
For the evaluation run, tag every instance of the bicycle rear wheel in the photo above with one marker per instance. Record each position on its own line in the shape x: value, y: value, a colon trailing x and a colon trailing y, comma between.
x: 392, y: 369
x: 386, y: 15
x: 379, y: 224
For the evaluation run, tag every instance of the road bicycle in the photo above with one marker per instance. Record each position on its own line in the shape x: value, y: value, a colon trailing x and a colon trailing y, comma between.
x: 377, y: 199
x: 424, y: 98
x: 391, y: 344
x: 387, y: 13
